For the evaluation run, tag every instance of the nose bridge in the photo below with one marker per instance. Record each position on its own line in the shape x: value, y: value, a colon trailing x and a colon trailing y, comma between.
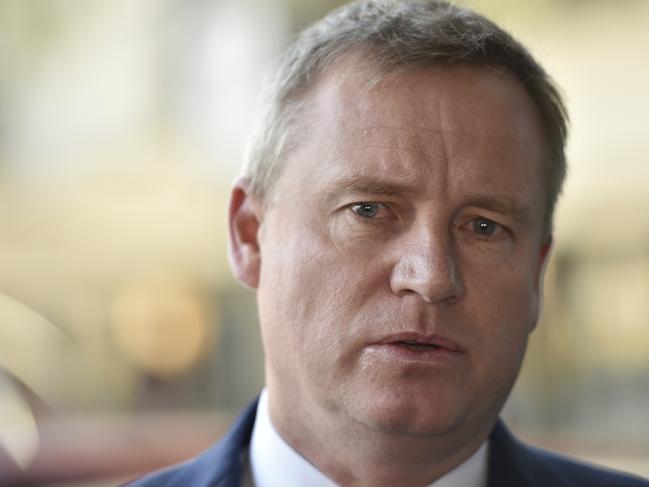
x: 427, y: 265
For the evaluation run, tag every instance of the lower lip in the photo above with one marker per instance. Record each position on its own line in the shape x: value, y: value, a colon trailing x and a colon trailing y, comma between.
x: 398, y: 353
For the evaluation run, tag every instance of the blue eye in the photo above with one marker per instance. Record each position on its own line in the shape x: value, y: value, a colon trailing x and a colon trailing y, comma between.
x: 484, y: 227
x: 366, y: 210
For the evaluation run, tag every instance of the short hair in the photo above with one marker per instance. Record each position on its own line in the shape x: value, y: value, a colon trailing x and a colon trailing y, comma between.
x: 395, y: 36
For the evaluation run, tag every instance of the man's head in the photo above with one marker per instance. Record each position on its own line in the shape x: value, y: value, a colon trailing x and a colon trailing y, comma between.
x: 397, y: 248
x: 395, y: 37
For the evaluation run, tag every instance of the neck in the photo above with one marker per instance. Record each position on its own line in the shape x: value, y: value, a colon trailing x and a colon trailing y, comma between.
x: 355, y: 455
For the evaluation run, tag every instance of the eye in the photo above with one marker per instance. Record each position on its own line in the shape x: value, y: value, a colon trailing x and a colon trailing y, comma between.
x: 366, y: 209
x: 485, y: 227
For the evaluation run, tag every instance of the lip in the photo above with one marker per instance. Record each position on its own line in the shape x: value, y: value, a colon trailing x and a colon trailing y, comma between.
x: 391, y: 350
x: 443, y: 343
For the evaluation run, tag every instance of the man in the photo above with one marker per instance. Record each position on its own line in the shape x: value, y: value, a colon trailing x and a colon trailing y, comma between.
x: 395, y: 218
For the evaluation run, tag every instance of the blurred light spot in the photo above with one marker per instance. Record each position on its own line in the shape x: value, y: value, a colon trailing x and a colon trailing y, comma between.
x: 18, y: 430
x: 160, y: 327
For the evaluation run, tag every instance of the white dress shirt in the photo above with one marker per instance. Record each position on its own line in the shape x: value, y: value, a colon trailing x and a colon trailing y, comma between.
x: 273, y: 463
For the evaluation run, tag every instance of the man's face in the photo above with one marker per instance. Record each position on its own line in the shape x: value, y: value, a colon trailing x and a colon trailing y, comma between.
x: 400, y: 257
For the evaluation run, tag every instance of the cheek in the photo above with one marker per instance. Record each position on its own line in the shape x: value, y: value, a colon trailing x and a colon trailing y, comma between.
x: 503, y: 300
x: 502, y: 309
x: 307, y: 294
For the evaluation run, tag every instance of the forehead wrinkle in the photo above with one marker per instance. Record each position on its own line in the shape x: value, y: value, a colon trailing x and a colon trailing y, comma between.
x: 382, y: 157
x: 435, y: 131
x: 383, y: 143
x: 346, y: 158
x: 404, y: 148
x: 449, y: 150
x: 363, y: 184
x: 391, y: 129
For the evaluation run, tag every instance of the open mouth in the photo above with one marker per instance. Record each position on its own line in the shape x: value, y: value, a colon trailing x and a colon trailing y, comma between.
x: 422, y: 342
x: 417, y: 346
x: 421, y: 349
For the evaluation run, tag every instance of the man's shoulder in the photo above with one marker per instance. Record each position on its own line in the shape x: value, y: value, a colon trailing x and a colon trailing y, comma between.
x: 219, y: 465
x: 513, y: 462
x: 196, y: 471
x: 576, y: 472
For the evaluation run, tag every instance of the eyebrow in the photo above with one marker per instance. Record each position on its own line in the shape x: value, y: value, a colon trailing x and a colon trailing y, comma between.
x: 369, y: 185
x: 503, y: 205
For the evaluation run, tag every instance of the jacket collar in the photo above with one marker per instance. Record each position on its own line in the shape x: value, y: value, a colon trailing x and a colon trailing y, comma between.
x: 222, y: 464
x: 510, y: 462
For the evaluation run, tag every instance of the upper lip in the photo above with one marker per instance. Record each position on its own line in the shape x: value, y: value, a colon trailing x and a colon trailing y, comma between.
x: 429, y: 339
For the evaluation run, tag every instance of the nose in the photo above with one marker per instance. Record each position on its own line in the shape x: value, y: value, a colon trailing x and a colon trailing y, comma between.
x: 427, y: 266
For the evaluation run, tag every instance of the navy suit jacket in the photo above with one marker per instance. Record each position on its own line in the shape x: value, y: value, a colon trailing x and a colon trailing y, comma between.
x: 511, y: 464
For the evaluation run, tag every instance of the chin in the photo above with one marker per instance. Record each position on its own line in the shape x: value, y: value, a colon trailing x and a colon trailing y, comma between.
x: 399, y: 415
x: 417, y: 426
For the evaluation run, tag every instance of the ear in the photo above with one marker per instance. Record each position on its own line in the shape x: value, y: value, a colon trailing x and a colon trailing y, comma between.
x: 544, y: 256
x: 244, y: 220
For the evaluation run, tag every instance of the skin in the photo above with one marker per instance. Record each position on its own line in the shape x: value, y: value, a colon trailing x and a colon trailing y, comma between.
x: 416, y: 205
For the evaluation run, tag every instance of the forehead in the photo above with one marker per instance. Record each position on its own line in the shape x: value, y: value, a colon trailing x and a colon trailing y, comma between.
x: 461, y: 123
x: 462, y: 99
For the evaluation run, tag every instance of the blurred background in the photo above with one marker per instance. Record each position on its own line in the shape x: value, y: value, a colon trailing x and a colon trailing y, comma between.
x: 125, y: 343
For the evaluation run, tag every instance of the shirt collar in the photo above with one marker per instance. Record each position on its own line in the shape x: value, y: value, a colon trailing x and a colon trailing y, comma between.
x: 273, y: 462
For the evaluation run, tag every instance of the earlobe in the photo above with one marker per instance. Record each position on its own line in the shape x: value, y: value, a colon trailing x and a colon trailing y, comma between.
x: 244, y: 220
x: 544, y: 253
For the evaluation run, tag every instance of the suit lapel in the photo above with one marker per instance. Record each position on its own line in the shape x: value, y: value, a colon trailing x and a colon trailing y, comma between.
x: 221, y: 465
x: 507, y: 460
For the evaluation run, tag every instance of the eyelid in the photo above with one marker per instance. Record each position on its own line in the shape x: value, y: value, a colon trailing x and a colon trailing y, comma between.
x: 473, y: 215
